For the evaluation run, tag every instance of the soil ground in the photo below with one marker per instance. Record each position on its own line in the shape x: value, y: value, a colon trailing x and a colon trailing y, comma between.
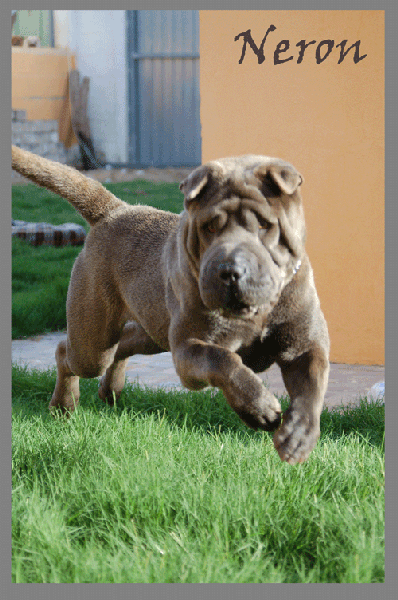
x: 169, y: 175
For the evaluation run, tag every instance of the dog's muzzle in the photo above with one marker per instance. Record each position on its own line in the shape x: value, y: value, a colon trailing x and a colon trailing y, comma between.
x: 243, y: 294
x: 240, y: 285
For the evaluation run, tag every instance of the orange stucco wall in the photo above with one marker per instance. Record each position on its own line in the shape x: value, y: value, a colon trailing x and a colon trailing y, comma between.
x: 328, y: 120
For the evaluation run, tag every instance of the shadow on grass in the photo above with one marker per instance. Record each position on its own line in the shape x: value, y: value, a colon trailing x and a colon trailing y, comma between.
x: 205, y: 411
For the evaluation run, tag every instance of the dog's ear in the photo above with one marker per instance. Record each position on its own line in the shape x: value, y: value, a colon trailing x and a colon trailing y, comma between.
x: 283, y: 175
x: 200, y: 179
x: 194, y: 184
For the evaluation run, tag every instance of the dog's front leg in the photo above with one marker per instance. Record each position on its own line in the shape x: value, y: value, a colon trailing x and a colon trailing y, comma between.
x: 306, y: 380
x: 200, y: 364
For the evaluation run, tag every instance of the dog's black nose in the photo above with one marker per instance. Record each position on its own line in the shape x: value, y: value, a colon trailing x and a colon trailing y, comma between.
x: 232, y: 272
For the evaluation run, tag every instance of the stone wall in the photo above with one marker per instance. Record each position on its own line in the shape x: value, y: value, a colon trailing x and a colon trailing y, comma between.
x: 40, y: 137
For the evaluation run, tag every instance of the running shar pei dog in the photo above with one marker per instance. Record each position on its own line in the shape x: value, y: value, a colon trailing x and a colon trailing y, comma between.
x: 226, y: 286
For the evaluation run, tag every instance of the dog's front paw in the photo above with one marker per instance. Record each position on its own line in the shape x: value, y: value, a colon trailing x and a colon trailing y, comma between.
x: 296, y: 437
x: 264, y: 413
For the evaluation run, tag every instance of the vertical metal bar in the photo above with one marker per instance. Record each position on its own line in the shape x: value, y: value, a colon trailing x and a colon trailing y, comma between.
x: 134, y: 144
x: 52, y: 37
x: 131, y: 115
x: 136, y: 88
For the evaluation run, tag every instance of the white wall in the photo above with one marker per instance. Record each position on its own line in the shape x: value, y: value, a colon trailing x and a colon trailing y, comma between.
x: 98, y: 40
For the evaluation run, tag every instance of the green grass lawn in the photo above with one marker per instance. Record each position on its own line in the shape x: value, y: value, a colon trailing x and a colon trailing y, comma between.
x: 172, y: 487
x: 40, y: 275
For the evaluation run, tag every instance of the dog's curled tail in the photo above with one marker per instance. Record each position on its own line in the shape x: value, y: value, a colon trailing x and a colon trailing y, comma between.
x: 89, y: 197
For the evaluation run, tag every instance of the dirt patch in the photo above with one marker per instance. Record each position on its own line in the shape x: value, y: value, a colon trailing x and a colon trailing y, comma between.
x: 110, y: 175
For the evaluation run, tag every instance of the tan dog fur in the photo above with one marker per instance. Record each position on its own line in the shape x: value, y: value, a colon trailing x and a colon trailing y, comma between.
x: 226, y: 286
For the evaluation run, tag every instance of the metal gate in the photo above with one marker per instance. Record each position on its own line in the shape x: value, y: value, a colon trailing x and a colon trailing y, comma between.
x: 163, y: 63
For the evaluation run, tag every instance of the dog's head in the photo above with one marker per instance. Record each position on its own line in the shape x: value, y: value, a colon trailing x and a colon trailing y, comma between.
x: 244, y: 231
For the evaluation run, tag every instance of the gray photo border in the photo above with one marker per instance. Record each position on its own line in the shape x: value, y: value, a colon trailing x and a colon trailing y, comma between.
x: 219, y: 591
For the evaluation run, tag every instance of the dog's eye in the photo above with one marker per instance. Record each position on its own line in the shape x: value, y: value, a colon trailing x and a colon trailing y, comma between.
x: 262, y: 223
x: 212, y: 226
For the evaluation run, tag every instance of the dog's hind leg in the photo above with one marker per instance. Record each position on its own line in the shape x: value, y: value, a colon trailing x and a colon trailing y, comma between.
x: 90, y: 347
x: 134, y: 340
x: 77, y: 359
x: 66, y: 393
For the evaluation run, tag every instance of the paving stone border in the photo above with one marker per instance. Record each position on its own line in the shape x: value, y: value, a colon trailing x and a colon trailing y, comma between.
x: 38, y: 234
x: 347, y: 383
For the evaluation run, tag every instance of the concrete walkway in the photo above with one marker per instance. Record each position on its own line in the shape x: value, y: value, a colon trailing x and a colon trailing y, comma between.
x: 347, y: 383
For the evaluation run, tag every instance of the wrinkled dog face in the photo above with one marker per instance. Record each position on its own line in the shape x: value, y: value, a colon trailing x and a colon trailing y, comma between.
x: 244, y: 232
